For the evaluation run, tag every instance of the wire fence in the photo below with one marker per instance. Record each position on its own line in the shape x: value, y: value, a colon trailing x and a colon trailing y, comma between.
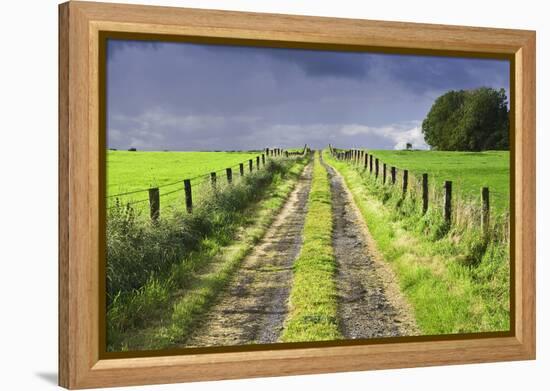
x: 457, y: 207
x: 190, y: 193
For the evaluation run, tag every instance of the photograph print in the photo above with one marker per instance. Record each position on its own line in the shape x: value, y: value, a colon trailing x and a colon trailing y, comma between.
x: 262, y: 195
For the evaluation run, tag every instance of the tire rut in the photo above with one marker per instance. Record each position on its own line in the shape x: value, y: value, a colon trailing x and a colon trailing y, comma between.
x: 253, y: 307
x: 369, y: 302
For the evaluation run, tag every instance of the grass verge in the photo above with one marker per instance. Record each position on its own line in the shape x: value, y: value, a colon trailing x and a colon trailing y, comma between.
x: 313, y: 305
x: 455, y: 281
x: 183, y: 261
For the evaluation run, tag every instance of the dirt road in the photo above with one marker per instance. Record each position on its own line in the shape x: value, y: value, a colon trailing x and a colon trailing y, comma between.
x: 370, y: 304
x: 253, y: 308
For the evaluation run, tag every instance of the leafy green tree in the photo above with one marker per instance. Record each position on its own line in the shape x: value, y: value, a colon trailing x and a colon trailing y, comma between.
x: 472, y: 120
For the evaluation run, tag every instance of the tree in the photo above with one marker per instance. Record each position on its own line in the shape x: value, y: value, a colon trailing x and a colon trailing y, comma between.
x: 409, y: 146
x: 473, y: 120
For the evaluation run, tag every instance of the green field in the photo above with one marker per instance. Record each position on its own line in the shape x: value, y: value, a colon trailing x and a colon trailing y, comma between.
x: 131, y: 171
x: 469, y: 171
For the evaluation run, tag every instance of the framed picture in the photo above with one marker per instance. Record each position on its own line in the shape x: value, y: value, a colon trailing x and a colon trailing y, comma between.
x: 247, y: 195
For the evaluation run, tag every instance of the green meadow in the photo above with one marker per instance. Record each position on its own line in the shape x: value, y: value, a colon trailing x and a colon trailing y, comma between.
x: 469, y: 171
x: 131, y: 171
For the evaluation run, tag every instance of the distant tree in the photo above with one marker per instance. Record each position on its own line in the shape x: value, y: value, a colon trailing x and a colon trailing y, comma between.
x: 409, y: 146
x: 473, y: 120
x: 132, y: 149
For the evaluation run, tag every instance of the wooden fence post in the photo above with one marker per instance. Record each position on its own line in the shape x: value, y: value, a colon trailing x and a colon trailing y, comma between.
x: 384, y: 173
x: 267, y: 152
x: 424, y: 193
x: 370, y: 163
x: 485, y: 210
x: 250, y: 165
x: 376, y: 168
x: 393, y: 172
x: 188, y: 195
x: 263, y: 160
x: 366, y: 161
x: 241, y: 169
x: 213, y: 179
x: 286, y: 153
x: 229, y: 174
x: 258, y: 162
x: 405, y: 181
x: 154, y: 203
x: 448, y: 199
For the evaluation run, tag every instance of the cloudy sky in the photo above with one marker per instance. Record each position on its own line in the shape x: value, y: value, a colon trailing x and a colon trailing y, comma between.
x: 181, y: 96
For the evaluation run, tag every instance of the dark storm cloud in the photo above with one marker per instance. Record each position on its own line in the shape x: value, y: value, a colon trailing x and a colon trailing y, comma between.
x: 186, y: 96
x: 423, y: 73
x: 317, y: 63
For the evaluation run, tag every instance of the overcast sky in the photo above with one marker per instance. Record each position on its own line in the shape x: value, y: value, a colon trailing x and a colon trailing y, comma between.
x: 180, y: 96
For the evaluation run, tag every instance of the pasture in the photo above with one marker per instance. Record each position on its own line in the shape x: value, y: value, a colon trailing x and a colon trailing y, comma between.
x: 469, y: 171
x: 129, y: 172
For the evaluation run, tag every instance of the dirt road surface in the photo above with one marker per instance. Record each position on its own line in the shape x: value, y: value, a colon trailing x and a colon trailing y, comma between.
x: 370, y: 304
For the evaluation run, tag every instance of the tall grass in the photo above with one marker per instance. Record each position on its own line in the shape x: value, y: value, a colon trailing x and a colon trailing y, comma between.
x: 148, y: 264
x: 456, y: 278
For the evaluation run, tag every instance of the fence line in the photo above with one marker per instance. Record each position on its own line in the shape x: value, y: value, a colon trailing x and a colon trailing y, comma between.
x: 365, y: 160
x: 155, y: 195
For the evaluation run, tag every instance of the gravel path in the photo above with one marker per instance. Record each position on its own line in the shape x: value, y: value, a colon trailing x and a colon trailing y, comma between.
x: 370, y: 304
x: 254, y: 306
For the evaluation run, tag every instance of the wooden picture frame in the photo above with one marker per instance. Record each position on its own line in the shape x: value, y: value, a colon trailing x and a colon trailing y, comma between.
x: 81, y: 25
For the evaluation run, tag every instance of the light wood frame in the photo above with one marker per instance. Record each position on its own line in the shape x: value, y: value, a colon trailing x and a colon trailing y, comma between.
x: 80, y: 24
